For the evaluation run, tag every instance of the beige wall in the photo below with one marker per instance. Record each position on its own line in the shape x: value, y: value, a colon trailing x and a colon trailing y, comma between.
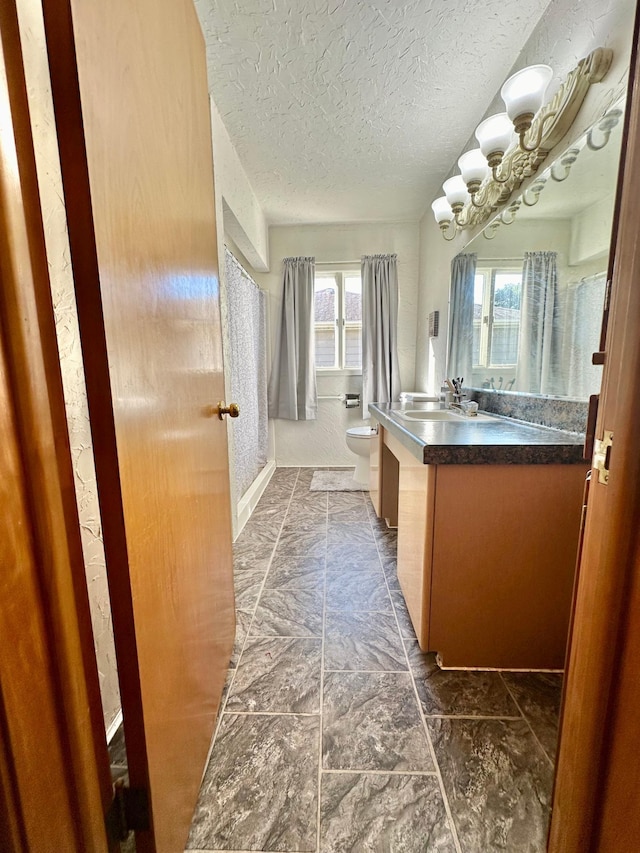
x: 322, y: 442
x: 566, y: 32
x: 55, y: 224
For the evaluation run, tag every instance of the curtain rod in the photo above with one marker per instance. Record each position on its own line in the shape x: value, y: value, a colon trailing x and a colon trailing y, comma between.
x: 491, y: 260
x: 335, y: 263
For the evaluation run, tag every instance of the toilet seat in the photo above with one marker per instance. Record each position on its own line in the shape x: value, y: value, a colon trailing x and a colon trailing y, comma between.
x: 361, y: 432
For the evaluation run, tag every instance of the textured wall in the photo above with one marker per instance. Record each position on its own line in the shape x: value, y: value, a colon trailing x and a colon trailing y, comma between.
x: 322, y: 442
x: 565, y: 33
x: 69, y: 345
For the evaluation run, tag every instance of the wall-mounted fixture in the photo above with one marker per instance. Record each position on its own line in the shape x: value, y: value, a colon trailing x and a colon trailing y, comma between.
x: 513, y: 144
x: 434, y: 324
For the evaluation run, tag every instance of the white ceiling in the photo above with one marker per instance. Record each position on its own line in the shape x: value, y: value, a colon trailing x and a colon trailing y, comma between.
x: 355, y: 110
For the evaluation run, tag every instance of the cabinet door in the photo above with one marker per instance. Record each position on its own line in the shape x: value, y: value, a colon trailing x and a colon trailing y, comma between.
x: 416, y: 495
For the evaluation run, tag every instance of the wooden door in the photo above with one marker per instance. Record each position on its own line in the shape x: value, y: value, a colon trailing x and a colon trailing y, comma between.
x: 54, y: 771
x: 595, y: 803
x: 132, y: 112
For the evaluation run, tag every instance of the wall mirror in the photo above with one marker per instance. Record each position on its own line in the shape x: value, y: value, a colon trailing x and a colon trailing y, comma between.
x: 539, y: 279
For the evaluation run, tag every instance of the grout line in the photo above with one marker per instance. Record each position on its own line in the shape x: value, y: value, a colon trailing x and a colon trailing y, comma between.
x: 469, y: 717
x: 385, y: 772
x: 320, y: 742
x: 371, y: 671
x: 272, y: 713
x: 526, y: 719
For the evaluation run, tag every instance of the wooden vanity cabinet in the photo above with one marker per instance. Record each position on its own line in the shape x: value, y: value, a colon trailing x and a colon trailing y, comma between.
x: 486, y: 558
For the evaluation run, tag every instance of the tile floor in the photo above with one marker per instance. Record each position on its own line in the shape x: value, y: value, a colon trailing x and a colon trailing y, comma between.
x: 337, y: 733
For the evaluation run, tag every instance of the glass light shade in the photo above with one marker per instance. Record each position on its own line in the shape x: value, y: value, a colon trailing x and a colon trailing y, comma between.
x: 442, y: 210
x: 473, y: 166
x: 524, y: 92
x: 495, y: 134
x: 456, y: 191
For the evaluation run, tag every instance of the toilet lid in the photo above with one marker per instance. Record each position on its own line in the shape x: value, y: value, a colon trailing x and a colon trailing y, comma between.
x: 360, y: 432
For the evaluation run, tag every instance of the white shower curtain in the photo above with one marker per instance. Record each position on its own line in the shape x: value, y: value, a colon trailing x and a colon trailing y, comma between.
x: 292, y: 384
x: 380, y: 370
x: 246, y: 309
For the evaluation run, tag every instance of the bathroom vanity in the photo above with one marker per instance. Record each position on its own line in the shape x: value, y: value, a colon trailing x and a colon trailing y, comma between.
x: 488, y: 515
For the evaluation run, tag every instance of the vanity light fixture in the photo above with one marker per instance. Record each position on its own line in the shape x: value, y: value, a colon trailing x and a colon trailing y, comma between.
x: 513, y: 144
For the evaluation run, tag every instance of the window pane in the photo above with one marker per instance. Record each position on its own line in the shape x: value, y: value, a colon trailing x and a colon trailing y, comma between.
x: 505, y: 329
x: 476, y: 343
x: 353, y: 346
x: 478, y: 292
x: 353, y: 298
x: 325, y: 311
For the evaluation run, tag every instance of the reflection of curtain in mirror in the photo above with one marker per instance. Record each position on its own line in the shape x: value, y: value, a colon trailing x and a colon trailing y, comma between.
x: 460, y: 356
x: 584, y: 304
x: 539, y: 351
x: 246, y: 306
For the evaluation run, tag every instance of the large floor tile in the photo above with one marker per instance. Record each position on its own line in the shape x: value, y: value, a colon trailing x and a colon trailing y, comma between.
x: 362, y: 641
x: 382, y: 813
x: 404, y: 620
x: 247, y: 585
x: 345, y: 560
x: 371, y: 721
x: 259, y: 532
x: 498, y: 782
x: 278, y: 676
x: 337, y: 552
x: 288, y: 613
x: 246, y: 553
x: 243, y: 621
x: 309, y: 541
x: 539, y: 694
x: 357, y: 591
x: 458, y: 692
x: 354, y: 535
x: 260, y: 788
x: 295, y: 572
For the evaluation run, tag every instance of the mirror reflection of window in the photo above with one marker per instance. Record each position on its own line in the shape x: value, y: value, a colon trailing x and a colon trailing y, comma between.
x: 496, y: 317
x: 571, y: 219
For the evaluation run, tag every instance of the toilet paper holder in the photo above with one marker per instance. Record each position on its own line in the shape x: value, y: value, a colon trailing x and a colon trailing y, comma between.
x: 351, y: 401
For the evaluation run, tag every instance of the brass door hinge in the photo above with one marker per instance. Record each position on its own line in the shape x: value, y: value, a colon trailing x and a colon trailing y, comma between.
x: 602, y: 456
x: 128, y: 812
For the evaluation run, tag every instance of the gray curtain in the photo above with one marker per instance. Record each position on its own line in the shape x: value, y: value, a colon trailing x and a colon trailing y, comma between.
x: 246, y: 322
x: 292, y: 384
x: 460, y: 355
x: 380, y: 371
x: 540, y: 326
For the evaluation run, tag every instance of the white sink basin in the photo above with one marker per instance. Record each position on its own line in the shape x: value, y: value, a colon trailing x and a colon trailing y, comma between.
x: 441, y: 415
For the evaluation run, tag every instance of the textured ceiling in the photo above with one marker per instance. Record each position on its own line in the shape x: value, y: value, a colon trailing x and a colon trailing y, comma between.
x: 344, y: 110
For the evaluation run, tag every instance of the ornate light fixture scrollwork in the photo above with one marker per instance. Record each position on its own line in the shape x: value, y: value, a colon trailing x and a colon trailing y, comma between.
x: 515, y: 143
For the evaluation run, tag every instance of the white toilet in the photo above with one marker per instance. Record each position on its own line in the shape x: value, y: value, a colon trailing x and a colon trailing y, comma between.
x: 359, y: 442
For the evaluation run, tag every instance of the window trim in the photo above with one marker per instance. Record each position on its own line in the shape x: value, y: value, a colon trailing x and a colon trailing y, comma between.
x: 338, y: 275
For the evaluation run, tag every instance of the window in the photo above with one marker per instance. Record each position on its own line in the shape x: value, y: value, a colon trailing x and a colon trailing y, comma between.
x: 338, y: 320
x: 496, y: 317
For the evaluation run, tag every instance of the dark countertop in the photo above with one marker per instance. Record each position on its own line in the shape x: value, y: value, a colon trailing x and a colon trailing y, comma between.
x: 502, y: 441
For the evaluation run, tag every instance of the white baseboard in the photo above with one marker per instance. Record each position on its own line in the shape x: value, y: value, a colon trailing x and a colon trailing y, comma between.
x: 114, y: 726
x: 249, y: 500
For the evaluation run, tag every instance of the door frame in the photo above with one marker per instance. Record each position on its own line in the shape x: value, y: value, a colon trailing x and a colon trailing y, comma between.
x: 28, y: 338
x: 597, y: 752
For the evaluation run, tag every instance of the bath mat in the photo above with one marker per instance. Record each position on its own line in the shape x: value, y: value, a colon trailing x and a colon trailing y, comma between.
x: 335, y: 481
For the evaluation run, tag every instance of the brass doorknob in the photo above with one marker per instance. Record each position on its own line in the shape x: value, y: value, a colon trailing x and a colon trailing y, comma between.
x: 233, y: 409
